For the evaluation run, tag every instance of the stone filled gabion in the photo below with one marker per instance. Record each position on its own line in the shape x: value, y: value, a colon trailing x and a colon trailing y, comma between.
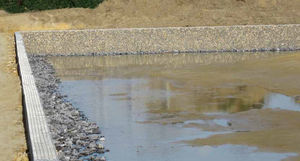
x: 164, y: 40
x: 75, y: 138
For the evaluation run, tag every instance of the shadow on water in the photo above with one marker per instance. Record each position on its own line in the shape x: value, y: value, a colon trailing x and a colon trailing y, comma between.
x: 118, y: 98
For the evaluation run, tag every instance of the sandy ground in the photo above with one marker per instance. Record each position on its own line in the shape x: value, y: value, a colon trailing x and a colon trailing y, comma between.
x: 119, y: 13
x: 12, y: 137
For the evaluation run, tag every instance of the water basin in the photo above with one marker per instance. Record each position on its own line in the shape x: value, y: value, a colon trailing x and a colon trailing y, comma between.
x: 120, y: 92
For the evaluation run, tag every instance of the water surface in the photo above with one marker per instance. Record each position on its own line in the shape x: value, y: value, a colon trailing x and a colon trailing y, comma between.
x: 122, y: 93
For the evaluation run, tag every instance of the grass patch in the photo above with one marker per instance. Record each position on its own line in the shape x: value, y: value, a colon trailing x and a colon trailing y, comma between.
x: 18, y: 6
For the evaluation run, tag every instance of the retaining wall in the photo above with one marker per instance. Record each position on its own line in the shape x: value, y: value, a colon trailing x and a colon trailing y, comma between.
x: 158, y: 40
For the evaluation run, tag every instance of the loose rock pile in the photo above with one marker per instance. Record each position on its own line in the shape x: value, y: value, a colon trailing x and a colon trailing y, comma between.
x: 75, y: 138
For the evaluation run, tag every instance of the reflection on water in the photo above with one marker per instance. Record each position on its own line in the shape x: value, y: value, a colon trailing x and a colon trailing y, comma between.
x: 222, y: 122
x: 102, y: 101
x: 280, y: 101
x: 127, y: 139
x: 93, y: 67
x: 118, y: 93
x: 219, y: 122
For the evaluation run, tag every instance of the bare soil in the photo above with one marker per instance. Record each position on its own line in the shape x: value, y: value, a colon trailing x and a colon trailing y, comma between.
x: 158, y: 13
x: 12, y: 138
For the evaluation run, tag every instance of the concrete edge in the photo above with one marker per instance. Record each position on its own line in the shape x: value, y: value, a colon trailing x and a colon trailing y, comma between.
x: 41, y: 147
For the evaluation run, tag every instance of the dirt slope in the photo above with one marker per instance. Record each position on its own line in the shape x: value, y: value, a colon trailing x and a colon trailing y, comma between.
x: 159, y: 13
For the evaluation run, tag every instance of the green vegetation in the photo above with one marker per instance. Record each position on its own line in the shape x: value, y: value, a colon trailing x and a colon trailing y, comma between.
x: 17, y: 6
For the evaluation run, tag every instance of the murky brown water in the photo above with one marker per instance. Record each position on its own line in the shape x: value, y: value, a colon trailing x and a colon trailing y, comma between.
x: 152, y: 107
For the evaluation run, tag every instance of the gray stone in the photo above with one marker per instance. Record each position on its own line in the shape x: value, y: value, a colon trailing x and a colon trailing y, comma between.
x: 70, y: 129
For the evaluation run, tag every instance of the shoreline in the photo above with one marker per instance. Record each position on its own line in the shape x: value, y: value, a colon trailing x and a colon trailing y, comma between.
x: 74, y: 136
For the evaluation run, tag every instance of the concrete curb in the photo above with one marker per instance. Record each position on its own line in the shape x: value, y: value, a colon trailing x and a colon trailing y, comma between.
x: 160, y: 40
x: 40, y: 143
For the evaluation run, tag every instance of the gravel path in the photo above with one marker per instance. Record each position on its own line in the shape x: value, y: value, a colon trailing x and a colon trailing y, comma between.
x: 75, y: 137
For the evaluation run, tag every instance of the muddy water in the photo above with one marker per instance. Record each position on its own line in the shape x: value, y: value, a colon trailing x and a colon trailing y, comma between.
x: 152, y: 107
